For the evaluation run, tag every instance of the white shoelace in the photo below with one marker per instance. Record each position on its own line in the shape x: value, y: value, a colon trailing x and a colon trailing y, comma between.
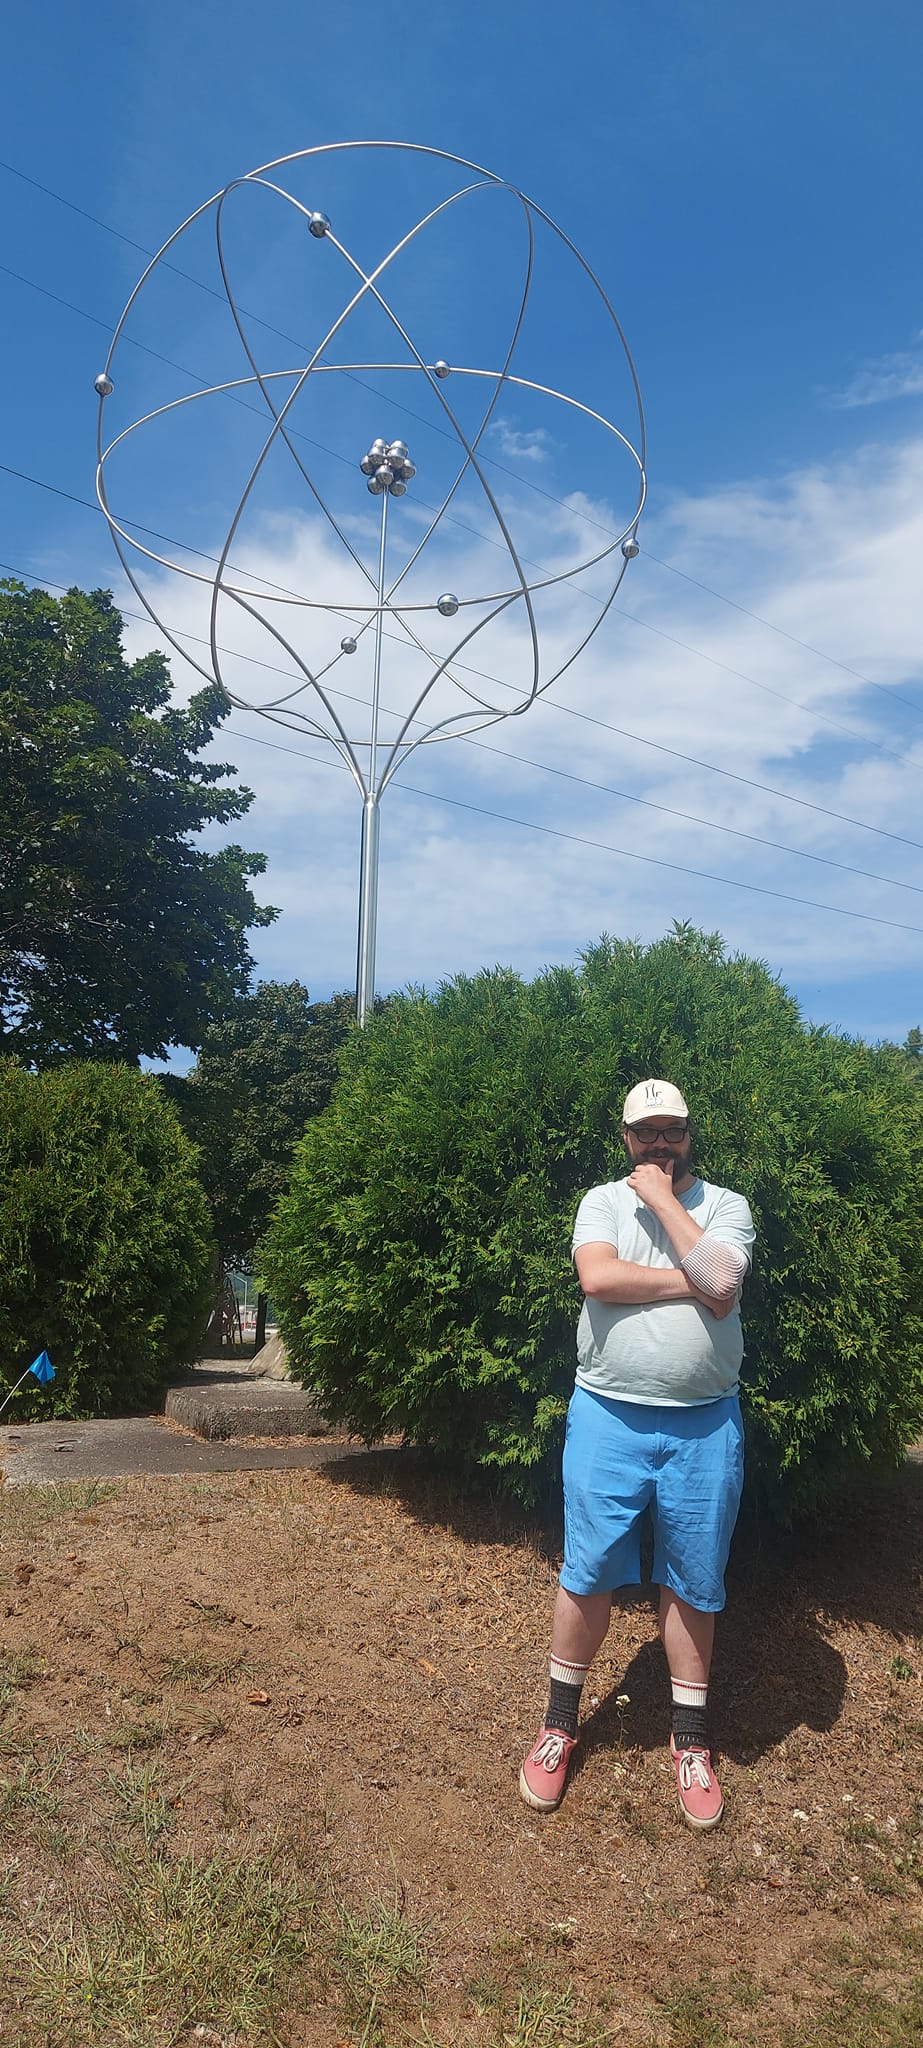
x: 692, y: 1765
x: 551, y: 1751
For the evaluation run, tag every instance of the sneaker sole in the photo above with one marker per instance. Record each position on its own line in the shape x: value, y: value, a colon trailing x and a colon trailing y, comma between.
x: 702, y: 1827
x: 532, y: 1799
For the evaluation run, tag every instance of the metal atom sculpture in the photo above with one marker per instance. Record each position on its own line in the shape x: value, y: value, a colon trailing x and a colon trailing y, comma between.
x: 445, y: 335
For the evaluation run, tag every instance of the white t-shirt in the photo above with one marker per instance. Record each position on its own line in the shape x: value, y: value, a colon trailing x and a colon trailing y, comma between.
x: 673, y: 1353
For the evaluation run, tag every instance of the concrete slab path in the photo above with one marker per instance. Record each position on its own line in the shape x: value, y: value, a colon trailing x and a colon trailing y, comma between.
x: 221, y: 1418
x: 45, y: 1453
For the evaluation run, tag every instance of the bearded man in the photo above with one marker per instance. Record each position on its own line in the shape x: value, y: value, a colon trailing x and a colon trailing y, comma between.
x: 654, y: 1423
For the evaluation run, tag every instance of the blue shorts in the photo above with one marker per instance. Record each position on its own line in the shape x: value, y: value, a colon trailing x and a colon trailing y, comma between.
x: 685, y: 1464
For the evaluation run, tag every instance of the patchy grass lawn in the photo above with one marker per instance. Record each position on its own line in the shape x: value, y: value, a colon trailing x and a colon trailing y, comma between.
x: 259, y: 1743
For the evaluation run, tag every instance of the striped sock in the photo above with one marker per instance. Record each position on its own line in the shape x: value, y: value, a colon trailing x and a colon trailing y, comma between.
x: 564, y: 1695
x: 690, y: 1717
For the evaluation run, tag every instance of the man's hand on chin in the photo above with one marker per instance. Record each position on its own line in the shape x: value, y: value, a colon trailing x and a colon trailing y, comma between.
x: 652, y: 1183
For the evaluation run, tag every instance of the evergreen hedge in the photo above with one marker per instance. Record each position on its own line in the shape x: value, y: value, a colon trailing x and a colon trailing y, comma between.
x: 106, y: 1251
x: 420, y: 1261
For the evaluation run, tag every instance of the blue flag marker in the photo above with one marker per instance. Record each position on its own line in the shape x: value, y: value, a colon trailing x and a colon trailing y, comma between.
x: 43, y: 1370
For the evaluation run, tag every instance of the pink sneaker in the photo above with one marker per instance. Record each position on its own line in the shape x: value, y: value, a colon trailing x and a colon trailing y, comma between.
x: 698, y: 1788
x: 544, y: 1773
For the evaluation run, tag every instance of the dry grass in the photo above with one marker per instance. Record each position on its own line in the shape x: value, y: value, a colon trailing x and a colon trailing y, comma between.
x: 259, y: 1738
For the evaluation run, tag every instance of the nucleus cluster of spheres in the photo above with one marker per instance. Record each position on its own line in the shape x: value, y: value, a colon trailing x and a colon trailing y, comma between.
x: 388, y: 467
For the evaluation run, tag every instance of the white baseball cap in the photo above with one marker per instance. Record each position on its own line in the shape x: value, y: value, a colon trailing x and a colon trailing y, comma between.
x: 653, y: 1098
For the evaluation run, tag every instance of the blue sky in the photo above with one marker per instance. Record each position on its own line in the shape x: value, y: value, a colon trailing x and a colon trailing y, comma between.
x: 741, y: 744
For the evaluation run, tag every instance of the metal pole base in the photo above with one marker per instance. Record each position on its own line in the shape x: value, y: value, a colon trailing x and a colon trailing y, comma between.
x: 368, y: 909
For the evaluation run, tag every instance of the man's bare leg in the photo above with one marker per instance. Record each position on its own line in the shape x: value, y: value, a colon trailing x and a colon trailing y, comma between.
x: 581, y: 1622
x: 688, y: 1637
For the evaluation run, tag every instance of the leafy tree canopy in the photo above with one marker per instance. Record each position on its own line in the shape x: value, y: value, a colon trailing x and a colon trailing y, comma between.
x: 262, y: 1072
x: 910, y: 1053
x: 118, y: 935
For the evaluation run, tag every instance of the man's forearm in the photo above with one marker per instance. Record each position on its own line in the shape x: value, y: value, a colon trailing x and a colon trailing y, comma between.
x: 657, y: 1194
x: 621, y: 1283
x: 714, y: 1269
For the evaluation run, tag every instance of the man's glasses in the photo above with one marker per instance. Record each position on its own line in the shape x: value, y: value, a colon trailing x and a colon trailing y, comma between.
x: 647, y: 1134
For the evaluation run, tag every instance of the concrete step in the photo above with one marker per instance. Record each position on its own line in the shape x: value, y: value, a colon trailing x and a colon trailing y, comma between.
x: 223, y: 1400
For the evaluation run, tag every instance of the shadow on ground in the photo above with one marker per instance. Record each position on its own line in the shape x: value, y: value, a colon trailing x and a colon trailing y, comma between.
x: 858, y: 1564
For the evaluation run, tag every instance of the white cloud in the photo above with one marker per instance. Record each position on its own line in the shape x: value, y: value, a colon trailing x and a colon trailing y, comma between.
x: 533, y: 446
x: 893, y: 376
x: 830, y: 554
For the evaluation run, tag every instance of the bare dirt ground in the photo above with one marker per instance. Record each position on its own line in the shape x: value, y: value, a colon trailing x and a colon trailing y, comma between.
x: 321, y: 1683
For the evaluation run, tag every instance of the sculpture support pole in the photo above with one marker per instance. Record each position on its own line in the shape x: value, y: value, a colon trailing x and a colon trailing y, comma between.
x: 371, y: 818
x: 368, y: 908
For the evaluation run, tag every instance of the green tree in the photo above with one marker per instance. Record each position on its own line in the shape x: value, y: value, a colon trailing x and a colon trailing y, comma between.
x: 910, y: 1053
x: 262, y: 1072
x: 105, y: 1238
x: 119, y: 936
x: 419, y: 1261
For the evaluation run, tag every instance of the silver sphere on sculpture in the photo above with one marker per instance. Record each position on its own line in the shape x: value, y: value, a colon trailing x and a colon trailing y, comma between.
x: 447, y: 604
x: 348, y: 644
x: 318, y: 225
x: 630, y: 548
x: 441, y: 369
x: 103, y: 384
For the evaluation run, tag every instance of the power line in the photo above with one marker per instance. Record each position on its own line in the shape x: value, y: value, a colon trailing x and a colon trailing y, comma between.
x: 810, y: 710
x: 627, y: 853
x: 837, y: 725
x: 529, y: 483
x: 598, y: 845
x: 739, y: 675
x: 784, y: 634
x: 544, y: 767
x: 732, y: 775
x: 692, y: 818
x: 569, y: 711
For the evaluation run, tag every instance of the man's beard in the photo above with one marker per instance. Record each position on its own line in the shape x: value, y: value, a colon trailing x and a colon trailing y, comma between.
x: 678, y: 1159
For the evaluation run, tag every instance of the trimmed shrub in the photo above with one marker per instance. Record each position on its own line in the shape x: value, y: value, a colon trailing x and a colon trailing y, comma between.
x: 420, y: 1261
x: 105, y: 1241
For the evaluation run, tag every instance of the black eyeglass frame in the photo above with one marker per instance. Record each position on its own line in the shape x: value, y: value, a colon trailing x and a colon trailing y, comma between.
x: 672, y: 1134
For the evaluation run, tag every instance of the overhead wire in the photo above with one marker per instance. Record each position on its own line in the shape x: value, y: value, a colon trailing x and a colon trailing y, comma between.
x: 555, y: 832
x: 464, y: 526
x: 566, y: 710
x: 603, y: 846
x: 545, y: 768
x: 810, y: 711
x: 530, y: 483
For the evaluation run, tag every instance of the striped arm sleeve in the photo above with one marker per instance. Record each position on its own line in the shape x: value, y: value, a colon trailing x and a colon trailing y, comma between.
x: 715, y: 1267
